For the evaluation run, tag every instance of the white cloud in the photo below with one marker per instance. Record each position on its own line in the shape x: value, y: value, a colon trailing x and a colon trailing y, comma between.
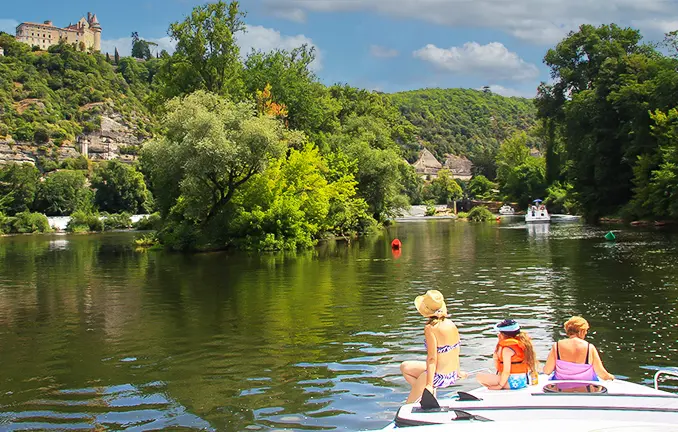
x: 657, y: 25
x: 383, y: 52
x: 265, y: 39
x: 510, y: 92
x: 124, y: 45
x: 8, y: 25
x: 493, y: 60
x: 542, y: 22
x: 296, y: 15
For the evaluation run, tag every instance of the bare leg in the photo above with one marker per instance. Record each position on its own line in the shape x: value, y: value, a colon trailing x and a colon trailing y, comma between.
x: 488, y: 379
x: 417, y: 388
x: 412, y: 369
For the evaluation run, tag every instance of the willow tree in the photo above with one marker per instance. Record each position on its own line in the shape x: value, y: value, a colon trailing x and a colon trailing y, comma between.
x: 210, y: 148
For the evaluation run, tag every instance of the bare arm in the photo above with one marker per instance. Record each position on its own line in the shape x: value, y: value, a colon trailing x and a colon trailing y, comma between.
x: 598, y: 366
x: 431, y: 355
x: 550, y: 365
x: 506, y: 354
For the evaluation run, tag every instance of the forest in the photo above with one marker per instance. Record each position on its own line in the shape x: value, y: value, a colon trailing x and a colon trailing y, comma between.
x: 252, y: 151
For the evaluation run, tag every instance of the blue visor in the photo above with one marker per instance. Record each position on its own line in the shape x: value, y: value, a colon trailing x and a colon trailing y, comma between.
x: 509, y: 328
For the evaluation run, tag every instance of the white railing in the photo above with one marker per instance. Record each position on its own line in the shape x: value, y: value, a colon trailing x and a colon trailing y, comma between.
x: 670, y: 374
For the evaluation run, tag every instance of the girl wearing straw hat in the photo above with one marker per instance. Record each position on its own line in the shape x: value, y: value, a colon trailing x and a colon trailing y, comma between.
x: 441, y: 368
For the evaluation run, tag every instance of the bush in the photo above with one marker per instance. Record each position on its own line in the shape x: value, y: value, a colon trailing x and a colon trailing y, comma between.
x: 480, y: 214
x: 147, y: 240
x: 430, y: 209
x: 117, y: 221
x: 27, y: 222
x: 82, y: 221
x: 462, y: 215
x: 41, y: 135
x: 4, y: 223
x: 150, y: 222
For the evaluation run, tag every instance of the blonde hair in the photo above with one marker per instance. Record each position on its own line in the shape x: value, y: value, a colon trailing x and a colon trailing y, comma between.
x: 435, y: 319
x: 530, y: 356
x: 575, y: 325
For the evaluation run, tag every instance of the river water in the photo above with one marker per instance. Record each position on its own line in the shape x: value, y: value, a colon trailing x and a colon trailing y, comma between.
x: 97, y: 335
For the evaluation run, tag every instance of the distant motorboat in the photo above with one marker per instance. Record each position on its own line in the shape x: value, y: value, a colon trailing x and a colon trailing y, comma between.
x: 537, y: 213
x: 506, y: 210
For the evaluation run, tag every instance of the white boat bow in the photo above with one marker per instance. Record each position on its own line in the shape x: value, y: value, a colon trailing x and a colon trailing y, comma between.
x: 550, y: 405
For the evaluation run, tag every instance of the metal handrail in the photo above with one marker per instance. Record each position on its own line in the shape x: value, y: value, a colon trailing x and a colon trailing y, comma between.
x: 672, y: 374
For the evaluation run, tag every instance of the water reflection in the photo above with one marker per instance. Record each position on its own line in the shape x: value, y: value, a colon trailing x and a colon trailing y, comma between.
x: 310, y: 340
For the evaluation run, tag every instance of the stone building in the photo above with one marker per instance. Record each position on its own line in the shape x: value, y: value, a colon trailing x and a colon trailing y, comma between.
x: 427, y: 166
x: 86, y: 30
x: 2, y: 51
x: 460, y: 167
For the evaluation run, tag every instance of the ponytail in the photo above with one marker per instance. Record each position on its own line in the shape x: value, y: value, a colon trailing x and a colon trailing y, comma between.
x: 435, y: 319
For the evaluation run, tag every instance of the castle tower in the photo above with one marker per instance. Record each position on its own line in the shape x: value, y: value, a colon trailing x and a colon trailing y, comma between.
x: 96, y: 28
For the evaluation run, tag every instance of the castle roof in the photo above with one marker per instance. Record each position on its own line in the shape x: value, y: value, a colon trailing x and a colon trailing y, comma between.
x: 458, y: 165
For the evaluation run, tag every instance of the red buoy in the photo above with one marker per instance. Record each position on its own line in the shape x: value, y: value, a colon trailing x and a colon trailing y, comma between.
x: 395, y: 244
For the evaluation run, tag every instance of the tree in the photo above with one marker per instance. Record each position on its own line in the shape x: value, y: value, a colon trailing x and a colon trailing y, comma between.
x: 116, y: 56
x: 206, y: 55
x: 512, y: 153
x: 211, y: 148
x: 443, y: 189
x: 521, y: 177
x: 108, y: 57
x: 141, y: 48
x: 63, y: 192
x: 18, y: 185
x: 481, y: 188
x: 120, y: 188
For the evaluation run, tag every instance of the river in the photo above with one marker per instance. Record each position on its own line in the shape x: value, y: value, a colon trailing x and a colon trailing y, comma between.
x: 96, y: 334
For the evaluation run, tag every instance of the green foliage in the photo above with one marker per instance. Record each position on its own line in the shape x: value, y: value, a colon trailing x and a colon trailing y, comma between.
x: 480, y: 214
x: 147, y: 240
x: 211, y: 148
x: 443, y: 189
x: 521, y: 177
x: 462, y: 215
x: 117, y: 221
x: 27, y: 222
x: 54, y: 95
x: 206, y: 55
x: 560, y: 198
x: 120, y: 188
x: 79, y: 163
x: 596, y: 118
x: 481, y: 188
x: 464, y: 122
x: 141, y: 49
x: 430, y: 208
x: 84, y: 221
x: 287, y: 206
x: 63, y: 192
x: 18, y: 186
x: 656, y: 176
x: 147, y: 223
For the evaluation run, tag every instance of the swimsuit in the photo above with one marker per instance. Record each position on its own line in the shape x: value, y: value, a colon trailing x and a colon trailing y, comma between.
x: 518, y: 381
x: 445, y: 380
x: 566, y: 370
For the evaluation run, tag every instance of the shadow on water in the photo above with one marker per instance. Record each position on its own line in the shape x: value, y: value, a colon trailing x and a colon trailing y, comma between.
x: 97, y: 335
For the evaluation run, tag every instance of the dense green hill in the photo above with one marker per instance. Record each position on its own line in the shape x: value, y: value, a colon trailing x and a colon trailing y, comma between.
x: 56, y: 95
x: 464, y: 121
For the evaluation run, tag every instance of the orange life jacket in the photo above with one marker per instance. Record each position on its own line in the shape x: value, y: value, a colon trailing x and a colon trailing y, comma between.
x: 518, y: 364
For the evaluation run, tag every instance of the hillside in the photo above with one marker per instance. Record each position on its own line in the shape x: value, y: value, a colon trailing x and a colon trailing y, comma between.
x: 464, y: 121
x: 51, y: 98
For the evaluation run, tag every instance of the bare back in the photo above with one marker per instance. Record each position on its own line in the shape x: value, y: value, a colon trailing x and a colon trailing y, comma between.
x: 447, y: 334
x: 574, y: 350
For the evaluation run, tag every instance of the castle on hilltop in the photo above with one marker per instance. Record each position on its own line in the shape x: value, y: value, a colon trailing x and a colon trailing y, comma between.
x: 86, y: 33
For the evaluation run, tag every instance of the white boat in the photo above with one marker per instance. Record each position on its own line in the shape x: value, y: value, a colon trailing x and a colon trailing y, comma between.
x: 506, y: 210
x: 550, y: 405
x: 537, y: 213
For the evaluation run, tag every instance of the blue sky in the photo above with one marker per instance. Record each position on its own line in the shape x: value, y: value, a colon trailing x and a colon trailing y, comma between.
x: 387, y: 45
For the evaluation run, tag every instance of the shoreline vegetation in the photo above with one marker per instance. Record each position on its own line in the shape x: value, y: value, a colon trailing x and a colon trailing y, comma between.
x: 251, y: 151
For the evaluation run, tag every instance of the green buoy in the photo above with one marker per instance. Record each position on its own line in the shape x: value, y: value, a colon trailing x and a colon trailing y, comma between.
x: 610, y: 236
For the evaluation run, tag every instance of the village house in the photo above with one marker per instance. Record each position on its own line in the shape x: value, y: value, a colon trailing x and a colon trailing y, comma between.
x: 84, y: 33
x: 427, y: 166
x: 2, y: 51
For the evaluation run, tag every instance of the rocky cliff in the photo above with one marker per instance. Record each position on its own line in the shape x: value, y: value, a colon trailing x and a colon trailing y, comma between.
x: 115, y: 140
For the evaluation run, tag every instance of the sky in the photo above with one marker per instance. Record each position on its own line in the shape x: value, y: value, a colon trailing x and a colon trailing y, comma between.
x: 385, y: 45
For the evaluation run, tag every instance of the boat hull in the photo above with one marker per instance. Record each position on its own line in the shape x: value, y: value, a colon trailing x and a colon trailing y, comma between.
x: 592, y: 401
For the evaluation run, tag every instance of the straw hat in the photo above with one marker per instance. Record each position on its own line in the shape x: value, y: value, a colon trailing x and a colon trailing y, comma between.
x: 431, y: 304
